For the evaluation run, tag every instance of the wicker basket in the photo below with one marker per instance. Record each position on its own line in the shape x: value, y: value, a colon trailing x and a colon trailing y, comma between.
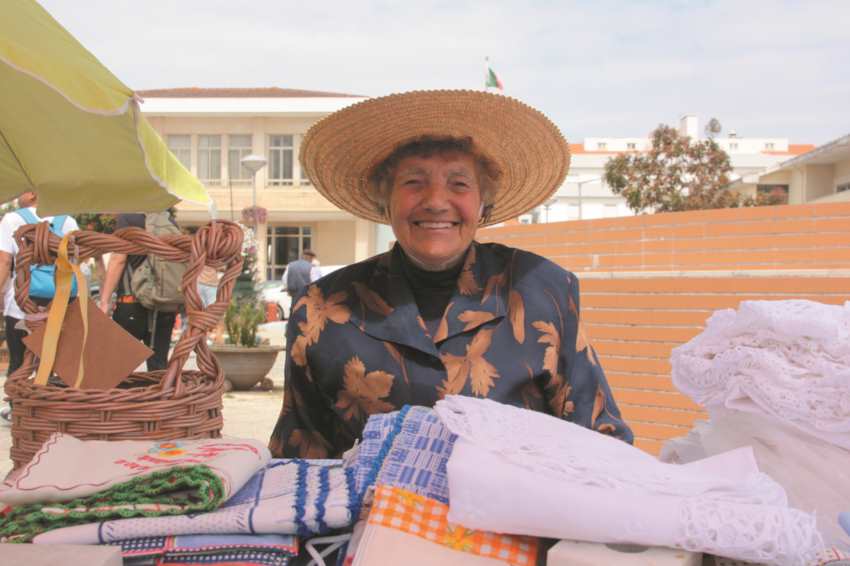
x: 165, y: 404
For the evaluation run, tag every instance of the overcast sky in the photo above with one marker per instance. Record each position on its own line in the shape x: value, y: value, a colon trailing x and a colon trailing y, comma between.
x: 597, y: 68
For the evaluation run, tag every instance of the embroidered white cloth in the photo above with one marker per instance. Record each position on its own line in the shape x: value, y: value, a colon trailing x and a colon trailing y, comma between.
x: 787, y: 359
x: 524, y: 472
x: 66, y: 468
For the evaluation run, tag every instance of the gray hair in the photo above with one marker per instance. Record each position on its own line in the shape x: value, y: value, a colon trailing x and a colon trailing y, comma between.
x: 380, y: 180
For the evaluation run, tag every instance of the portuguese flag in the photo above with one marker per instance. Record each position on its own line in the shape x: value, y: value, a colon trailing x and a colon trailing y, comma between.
x: 492, y: 80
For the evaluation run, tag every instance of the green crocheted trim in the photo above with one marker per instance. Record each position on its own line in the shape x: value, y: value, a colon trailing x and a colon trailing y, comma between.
x: 176, y: 491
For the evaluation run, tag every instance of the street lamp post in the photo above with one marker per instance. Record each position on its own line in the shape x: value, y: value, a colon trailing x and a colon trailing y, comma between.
x: 579, y: 184
x: 547, y: 205
x: 253, y: 163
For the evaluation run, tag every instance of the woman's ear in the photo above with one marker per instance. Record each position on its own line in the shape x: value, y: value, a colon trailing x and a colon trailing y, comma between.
x: 484, y: 216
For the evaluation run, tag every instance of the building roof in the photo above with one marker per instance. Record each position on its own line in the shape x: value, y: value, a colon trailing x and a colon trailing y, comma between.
x: 263, y: 92
x: 794, y: 149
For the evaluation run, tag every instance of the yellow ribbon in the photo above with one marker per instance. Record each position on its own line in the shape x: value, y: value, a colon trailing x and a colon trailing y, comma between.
x: 65, y: 270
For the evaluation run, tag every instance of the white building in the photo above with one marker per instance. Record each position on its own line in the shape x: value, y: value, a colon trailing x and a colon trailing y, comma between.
x: 585, y: 195
x: 821, y: 175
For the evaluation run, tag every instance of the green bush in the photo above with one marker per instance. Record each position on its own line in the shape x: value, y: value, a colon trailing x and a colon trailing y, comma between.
x: 241, y: 321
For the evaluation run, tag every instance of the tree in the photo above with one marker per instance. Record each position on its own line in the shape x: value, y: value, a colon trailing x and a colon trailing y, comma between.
x: 676, y: 174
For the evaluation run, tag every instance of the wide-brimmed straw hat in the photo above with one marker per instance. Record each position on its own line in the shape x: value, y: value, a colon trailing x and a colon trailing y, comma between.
x: 340, y: 151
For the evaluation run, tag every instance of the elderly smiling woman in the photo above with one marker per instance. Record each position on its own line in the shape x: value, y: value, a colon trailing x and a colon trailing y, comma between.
x: 439, y: 313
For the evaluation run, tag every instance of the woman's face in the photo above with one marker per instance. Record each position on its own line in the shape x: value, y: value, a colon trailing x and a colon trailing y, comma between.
x: 434, y: 208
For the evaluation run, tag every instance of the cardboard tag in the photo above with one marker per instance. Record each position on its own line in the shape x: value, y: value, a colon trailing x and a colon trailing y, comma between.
x: 111, y: 353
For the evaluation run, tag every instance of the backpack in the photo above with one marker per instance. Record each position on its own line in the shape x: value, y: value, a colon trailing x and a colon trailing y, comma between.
x: 43, y: 277
x: 157, y: 283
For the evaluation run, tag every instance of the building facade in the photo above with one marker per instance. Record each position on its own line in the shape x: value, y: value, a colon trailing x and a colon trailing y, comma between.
x: 211, y: 130
x: 821, y: 175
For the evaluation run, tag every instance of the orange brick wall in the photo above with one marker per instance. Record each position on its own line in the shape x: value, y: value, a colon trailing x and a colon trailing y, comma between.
x: 639, y: 302
x: 773, y: 237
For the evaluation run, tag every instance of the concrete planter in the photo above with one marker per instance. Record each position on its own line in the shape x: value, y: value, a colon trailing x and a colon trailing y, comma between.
x: 245, y: 367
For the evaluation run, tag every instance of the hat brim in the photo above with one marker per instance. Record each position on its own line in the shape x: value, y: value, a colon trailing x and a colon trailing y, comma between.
x: 340, y: 151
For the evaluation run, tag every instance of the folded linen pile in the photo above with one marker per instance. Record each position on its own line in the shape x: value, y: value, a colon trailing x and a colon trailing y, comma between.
x: 298, y: 497
x: 72, y: 482
x: 517, y: 471
x: 786, y: 359
x: 400, y: 472
x: 775, y: 375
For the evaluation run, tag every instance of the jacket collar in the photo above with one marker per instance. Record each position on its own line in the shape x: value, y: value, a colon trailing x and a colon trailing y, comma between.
x: 384, y: 306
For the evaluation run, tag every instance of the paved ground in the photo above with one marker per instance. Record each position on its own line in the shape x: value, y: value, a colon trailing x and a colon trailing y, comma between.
x: 247, y: 414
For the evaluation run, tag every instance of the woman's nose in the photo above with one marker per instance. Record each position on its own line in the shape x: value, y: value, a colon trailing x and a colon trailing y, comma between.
x: 435, y: 196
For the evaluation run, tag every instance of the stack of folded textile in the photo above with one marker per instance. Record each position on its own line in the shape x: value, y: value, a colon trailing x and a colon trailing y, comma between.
x: 474, y: 481
x: 400, y: 475
x: 187, y: 501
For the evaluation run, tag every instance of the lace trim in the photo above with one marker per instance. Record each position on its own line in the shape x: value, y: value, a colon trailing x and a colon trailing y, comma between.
x: 788, y: 359
x: 779, y: 536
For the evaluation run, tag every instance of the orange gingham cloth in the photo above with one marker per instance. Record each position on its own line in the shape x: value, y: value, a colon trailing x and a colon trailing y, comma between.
x: 412, y: 513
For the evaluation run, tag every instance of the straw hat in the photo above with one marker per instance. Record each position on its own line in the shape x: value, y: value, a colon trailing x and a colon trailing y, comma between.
x: 340, y: 151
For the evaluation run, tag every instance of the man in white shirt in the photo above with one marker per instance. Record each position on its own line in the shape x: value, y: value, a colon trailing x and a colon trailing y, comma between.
x: 8, y: 250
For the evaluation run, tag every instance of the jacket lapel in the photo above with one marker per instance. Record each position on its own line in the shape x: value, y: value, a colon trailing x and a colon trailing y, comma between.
x: 385, y: 308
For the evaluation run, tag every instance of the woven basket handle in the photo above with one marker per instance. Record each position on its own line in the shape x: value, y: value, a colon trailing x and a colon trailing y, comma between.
x: 218, y: 245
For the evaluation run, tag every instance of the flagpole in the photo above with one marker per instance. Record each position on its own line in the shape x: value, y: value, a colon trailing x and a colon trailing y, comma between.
x: 486, y: 71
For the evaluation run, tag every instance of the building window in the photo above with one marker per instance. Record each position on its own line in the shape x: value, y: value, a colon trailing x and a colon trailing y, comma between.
x: 842, y: 187
x: 285, y: 244
x: 733, y: 146
x: 209, y: 159
x: 768, y: 145
x: 239, y: 146
x: 631, y: 145
x: 602, y: 145
x: 280, y: 160
x: 775, y: 194
x: 181, y: 147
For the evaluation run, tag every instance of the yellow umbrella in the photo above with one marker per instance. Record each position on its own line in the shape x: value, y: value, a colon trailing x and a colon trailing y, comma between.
x: 71, y: 131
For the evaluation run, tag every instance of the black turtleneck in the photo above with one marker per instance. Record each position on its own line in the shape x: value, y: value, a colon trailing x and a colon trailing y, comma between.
x: 432, y: 290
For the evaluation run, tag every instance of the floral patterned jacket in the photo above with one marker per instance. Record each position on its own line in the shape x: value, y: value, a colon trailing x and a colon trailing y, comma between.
x: 356, y: 345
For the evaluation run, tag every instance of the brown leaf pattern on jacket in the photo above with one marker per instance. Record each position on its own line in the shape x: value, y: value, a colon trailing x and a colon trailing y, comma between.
x: 299, y: 351
x: 474, y: 318
x: 319, y: 311
x: 310, y: 443
x: 372, y: 300
x: 473, y: 367
x: 362, y: 392
x: 494, y: 286
x: 421, y: 322
x: 398, y: 358
x: 561, y: 389
x: 598, y: 406
x: 466, y: 283
x: 443, y: 328
x: 516, y: 314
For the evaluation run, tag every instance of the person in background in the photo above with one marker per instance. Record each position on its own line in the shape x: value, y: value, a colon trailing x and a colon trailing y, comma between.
x: 8, y: 250
x: 154, y: 329
x: 208, y: 285
x: 300, y: 273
